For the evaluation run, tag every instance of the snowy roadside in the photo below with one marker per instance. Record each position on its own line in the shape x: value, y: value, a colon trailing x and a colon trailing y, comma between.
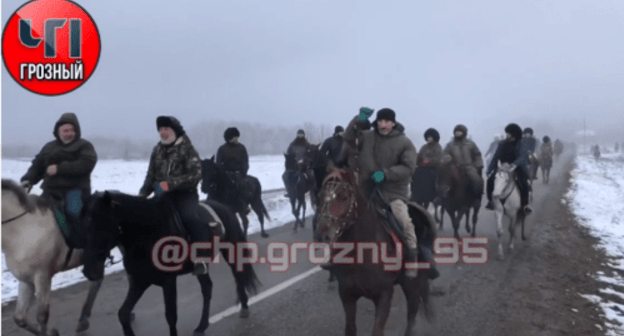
x: 596, y: 197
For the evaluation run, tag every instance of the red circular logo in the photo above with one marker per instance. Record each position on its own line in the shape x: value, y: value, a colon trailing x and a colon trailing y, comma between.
x: 50, y: 47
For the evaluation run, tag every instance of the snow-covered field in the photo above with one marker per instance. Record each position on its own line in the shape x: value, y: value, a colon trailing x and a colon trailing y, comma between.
x: 597, y: 199
x: 128, y: 177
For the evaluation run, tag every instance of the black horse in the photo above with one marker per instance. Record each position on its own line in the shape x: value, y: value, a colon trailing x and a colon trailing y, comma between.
x: 297, y: 185
x: 139, y: 224
x: 424, y: 189
x: 220, y: 187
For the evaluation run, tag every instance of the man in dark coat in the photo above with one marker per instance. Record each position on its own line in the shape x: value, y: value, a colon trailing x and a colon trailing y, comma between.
x: 430, y: 154
x: 234, y: 158
x: 300, y: 147
x: 329, y: 154
x: 173, y: 175
x: 512, y: 151
x: 467, y: 156
x: 64, y: 164
x: 531, y: 143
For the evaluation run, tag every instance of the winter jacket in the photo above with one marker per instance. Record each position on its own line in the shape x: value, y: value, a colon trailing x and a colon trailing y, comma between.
x: 465, y: 153
x: 75, y: 162
x: 512, y: 152
x: 394, y: 154
x: 331, y: 148
x: 431, y: 153
x: 233, y: 157
x: 299, y: 146
x: 177, y: 164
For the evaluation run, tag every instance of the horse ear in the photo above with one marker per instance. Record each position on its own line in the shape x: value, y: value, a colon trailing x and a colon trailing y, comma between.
x: 212, y: 158
x: 499, y: 164
x: 106, y: 198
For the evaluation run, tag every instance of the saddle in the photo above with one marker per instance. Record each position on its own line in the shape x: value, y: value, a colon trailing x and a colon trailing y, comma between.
x: 177, y: 227
x: 68, y: 216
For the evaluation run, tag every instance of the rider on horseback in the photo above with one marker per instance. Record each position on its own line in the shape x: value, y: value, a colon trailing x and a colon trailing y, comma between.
x: 531, y: 143
x: 430, y: 154
x: 173, y: 174
x: 234, y: 158
x: 64, y: 164
x: 468, y: 157
x: 332, y: 146
x: 299, y: 147
x: 511, y: 151
x: 389, y: 158
x: 546, y: 152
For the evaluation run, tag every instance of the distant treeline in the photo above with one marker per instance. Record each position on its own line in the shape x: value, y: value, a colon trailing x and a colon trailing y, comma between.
x: 260, y: 139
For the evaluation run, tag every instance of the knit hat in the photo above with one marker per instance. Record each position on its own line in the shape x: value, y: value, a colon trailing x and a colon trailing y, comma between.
x: 386, y: 114
x: 338, y: 129
x: 528, y: 130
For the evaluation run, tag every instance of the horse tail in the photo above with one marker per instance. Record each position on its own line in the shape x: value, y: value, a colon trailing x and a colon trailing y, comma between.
x: 234, y: 234
x: 258, y: 197
x: 424, y: 297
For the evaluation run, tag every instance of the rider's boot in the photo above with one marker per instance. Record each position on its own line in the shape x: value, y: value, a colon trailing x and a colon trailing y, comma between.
x: 428, y: 257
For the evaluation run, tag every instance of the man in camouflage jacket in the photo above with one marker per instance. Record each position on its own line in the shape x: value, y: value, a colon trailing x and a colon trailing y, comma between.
x: 173, y: 174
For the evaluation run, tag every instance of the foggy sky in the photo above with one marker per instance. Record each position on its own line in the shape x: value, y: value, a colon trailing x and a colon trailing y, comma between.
x: 545, y: 64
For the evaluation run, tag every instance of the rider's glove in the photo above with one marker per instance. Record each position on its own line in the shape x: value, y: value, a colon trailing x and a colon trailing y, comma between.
x: 378, y: 176
x: 161, y: 188
x: 365, y: 113
x: 26, y: 184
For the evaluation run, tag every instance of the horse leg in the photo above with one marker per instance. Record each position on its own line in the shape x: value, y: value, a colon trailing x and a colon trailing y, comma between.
x: 467, y: 213
x: 169, y: 289
x: 412, y: 299
x: 242, y: 295
x: 83, y: 321
x: 382, y: 310
x: 245, y: 222
x: 475, y: 216
x: 512, y: 231
x: 24, y: 300
x: 455, y: 219
x: 43, y: 284
x: 135, y: 291
x: 303, y: 216
x: 498, y: 214
x: 206, y: 288
x: 349, y: 304
x: 257, y: 208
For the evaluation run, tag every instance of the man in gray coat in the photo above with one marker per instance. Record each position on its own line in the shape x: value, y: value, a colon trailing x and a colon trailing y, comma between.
x: 388, y: 158
x: 468, y: 157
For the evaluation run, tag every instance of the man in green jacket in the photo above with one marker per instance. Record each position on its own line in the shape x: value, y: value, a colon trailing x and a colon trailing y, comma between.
x: 388, y: 158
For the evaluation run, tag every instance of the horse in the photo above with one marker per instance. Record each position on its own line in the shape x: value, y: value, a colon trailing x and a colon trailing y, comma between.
x: 424, y: 189
x: 297, y: 185
x: 506, y: 199
x: 139, y: 224
x: 456, y: 197
x: 348, y: 216
x: 35, y: 251
x: 558, y: 150
x: 220, y: 187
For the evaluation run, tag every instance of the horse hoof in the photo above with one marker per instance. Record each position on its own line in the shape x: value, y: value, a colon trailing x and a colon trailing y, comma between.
x: 244, y: 313
x: 82, y: 325
x: 198, y: 333
x: 131, y: 316
x: 53, y: 332
x: 264, y: 235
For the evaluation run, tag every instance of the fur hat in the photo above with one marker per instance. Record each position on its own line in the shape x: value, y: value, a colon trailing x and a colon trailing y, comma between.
x: 432, y: 133
x: 462, y: 129
x: 514, y: 130
x: 528, y: 130
x: 231, y: 133
x: 386, y: 114
x: 169, y: 121
x: 546, y: 138
x: 338, y: 129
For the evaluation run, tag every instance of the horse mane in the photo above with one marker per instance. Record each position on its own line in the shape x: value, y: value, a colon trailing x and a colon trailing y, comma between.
x: 28, y: 201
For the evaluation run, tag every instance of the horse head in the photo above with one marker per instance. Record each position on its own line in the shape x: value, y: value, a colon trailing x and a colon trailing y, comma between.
x: 215, y: 181
x: 449, y: 176
x: 103, y: 230
x: 504, y: 176
x: 338, y: 203
x: 312, y: 159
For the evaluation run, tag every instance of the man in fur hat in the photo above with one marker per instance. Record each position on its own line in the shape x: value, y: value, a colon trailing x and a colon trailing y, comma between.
x: 513, y: 151
x: 299, y: 147
x: 468, y: 157
x: 173, y: 174
x: 234, y: 158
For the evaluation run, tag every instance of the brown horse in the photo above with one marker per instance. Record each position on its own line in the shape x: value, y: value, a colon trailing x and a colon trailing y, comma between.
x: 457, y: 199
x: 349, y: 216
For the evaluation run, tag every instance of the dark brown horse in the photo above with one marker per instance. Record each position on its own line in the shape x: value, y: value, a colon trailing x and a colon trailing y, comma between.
x: 457, y: 199
x: 348, y: 215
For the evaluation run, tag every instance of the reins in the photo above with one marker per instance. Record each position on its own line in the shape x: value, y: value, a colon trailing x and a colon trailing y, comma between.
x: 14, y: 218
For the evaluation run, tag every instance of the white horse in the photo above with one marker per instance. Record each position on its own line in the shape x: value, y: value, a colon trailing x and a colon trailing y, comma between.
x: 35, y: 251
x: 506, y: 199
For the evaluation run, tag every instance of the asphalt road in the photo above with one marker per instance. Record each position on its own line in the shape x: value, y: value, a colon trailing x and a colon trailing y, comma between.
x: 308, y: 304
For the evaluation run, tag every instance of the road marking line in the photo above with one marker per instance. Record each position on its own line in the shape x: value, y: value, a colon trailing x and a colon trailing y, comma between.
x: 235, y: 309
